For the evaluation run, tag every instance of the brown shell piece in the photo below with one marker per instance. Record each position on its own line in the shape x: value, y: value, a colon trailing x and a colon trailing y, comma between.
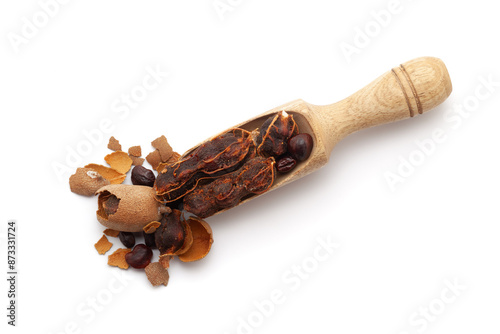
x: 156, y: 274
x: 103, y: 245
x: 154, y: 159
x: 86, y: 181
x: 136, y: 161
x: 127, y: 208
x: 151, y: 227
x: 135, y: 151
x: 117, y: 259
x: 188, y: 241
x: 202, y: 240
x: 111, y: 233
x: 274, y: 134
x: 162, y: 145
x: 110, y: 174
x: 174, y: 236
x: 118, y: 180
x: 114, y: 144
x: 119, y: 161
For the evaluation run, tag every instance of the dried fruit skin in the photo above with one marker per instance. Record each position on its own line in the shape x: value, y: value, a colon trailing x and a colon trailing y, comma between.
x: 254, y: 177
x: 110, y: 174
x: 139, y: 257
x: 151, y: 227
x: 202, y: 240
x: 136, y: 161
x: 157, y: 274
x: 154, y: 159
x: 274, y: 134
x: 117, y: 259
x: 111, y: 233
x: 135, y: 151
x: 118, y: 179
x: 114, y: 144
x: 163, y: 147
x: 142, y: 176
x: 300, y: 146
x: 86, y: 181
x: 103, y: 245
x: 136, y: 207
x: 119, y: 161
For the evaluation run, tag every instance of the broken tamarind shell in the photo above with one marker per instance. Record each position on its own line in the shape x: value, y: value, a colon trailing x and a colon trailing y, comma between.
x: 202, y: 240
x: 151, y: 227
x: 86, y: 181
x: 128, y: 208
x: 157, y: 274
x: 119, y: 161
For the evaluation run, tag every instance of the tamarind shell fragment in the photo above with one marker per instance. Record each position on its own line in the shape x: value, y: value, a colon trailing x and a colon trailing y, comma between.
x: 202, y: 240
x: 128, y: 208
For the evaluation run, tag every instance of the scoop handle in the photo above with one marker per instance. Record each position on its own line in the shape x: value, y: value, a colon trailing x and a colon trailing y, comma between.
x: 405, y: 91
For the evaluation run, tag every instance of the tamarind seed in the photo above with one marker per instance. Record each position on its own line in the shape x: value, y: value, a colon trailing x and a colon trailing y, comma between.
x: 127, y: 239
x: 139, y: 257
x: 285, y: 164
x: 300, y: 146
x: 142, y: 176
x: 149, y: 239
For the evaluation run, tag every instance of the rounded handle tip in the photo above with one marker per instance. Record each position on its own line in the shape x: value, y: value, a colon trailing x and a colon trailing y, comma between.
x: 425, y: 82
x: 410, y: 89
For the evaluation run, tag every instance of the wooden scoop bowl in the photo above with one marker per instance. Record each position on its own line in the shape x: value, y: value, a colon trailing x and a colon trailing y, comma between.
x: 410, y: 89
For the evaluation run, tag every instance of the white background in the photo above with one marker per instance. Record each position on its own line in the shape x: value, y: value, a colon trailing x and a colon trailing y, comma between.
x: 400, y: 247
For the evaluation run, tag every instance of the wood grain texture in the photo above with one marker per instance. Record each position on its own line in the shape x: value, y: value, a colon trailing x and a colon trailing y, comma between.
x: 407, y: 90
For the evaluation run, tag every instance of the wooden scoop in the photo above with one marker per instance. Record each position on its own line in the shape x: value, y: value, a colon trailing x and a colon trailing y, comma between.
x: 410, y: 89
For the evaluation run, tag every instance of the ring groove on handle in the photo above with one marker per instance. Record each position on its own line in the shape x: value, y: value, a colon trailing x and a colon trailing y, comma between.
x: 414, y: 91
x: 404, y: 92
